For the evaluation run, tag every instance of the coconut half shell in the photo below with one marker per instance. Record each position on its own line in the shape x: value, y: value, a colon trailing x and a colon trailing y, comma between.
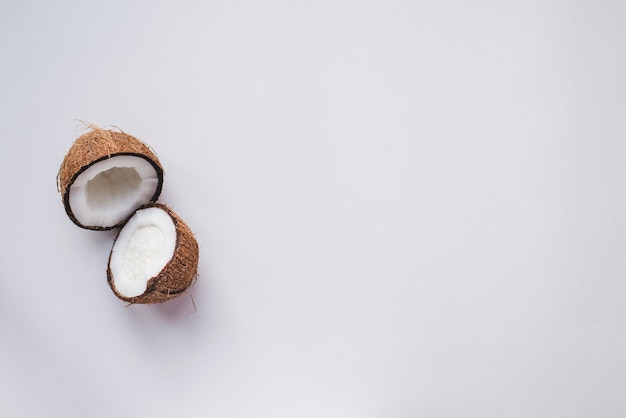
x: 105, y: 176
x: 154, y: 257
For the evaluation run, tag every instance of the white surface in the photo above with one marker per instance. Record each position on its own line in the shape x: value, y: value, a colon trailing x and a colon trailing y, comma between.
x: 404, y: 208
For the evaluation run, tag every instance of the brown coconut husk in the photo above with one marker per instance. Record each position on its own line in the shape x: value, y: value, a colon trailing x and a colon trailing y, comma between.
x: 97, y: 145
x: 177, y: 275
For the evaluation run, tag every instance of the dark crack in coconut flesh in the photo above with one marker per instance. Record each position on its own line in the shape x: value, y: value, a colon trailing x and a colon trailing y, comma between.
x: 105, y: 176
x: 154, y: 257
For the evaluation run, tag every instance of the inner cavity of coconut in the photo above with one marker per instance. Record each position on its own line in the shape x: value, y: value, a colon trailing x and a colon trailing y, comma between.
x: 107, y: 192
x: 143, y: 248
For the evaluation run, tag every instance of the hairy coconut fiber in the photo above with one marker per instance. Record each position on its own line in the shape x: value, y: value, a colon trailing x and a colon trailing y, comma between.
x: 97, y: 145
x: 177, y: 275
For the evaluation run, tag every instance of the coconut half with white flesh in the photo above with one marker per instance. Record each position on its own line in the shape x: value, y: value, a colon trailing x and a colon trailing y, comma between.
x: 154, y: 257
x: 105, y: 176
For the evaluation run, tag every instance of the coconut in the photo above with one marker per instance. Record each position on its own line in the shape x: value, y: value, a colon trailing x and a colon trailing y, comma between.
x: 154, y: 257
x: 105, y: 176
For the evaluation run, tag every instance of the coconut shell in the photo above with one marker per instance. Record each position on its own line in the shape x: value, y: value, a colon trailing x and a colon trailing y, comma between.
x: 95, y: 146
x: 177, y: 275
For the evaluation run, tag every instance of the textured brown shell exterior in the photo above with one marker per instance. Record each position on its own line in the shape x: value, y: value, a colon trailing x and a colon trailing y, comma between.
x: 96, y: 146
x: 177, y: 275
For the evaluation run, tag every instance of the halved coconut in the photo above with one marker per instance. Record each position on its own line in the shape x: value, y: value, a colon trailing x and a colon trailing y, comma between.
x: 154, y: 257
x: 105, y: 176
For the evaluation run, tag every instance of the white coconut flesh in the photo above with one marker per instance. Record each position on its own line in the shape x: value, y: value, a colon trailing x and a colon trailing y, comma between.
x: 107, y: 192
x: 143, y: 248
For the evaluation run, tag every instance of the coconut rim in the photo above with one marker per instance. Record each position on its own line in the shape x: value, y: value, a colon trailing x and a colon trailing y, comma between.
x: 155, y: 196
x: 152, y: 282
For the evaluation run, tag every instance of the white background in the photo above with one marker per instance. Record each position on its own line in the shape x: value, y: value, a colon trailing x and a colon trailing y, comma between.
x: 405, y: 209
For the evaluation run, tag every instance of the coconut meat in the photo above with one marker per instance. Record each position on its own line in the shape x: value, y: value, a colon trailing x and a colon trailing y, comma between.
x: 143, y: 248
x: 107, y: 192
